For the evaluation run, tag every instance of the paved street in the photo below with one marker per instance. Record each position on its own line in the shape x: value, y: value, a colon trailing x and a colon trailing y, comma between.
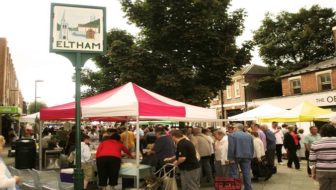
x: 285, y: 179
x: 288, y: 179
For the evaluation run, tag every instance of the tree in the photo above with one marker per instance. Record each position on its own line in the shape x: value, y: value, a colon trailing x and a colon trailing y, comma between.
x: 124, y: 61
x: 264, y: 84
x: 193, y: 42
x: 186, y: 49
x: 39, y: 105
x: 291, y: 41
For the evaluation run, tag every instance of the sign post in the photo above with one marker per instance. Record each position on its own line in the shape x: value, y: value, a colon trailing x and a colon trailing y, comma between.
x: 77, y: 32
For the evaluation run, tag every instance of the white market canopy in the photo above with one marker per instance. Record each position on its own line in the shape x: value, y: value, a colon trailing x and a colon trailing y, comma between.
x: 261, y: 111
x: 29, y: 118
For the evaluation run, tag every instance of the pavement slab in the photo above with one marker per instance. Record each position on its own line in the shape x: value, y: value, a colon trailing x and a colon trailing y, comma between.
x: 285, y: 179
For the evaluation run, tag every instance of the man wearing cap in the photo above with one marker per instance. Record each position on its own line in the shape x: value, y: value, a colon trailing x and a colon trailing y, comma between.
x: 241, y: 151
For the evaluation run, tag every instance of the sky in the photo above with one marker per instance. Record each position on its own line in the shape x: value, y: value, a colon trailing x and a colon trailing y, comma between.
x: 26, y: 26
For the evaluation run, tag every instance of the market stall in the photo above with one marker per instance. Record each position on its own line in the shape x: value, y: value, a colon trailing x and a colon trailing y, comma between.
x: 260, y: 111
x: 31, y: 118
x: 327, y: 116
x: 130, y: 102
x: 300, y: 113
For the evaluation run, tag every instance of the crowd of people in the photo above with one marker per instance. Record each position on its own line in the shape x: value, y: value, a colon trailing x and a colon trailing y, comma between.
x: 201, y: 154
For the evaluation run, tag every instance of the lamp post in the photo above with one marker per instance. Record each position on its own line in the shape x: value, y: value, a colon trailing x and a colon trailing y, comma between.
x: 35, y: 106
x: 245, y: 95
x: 222, y: 103
x: 334, y: 36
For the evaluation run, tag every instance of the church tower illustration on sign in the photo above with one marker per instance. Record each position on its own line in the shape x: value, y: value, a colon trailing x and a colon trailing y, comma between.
x: 64, y: 29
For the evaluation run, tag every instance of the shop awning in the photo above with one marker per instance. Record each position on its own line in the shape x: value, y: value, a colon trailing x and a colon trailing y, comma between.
x: 13, y: 110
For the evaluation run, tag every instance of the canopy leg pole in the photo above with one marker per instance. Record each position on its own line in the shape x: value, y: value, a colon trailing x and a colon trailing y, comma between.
x: 40, y: 144
x: 137, y: 153
x: 19, y: 130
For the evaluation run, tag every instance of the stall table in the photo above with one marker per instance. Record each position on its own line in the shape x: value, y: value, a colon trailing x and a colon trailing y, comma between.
x: 128, y: 173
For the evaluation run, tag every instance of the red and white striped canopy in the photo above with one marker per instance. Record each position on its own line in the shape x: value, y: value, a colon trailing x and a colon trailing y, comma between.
x: 126, y: 102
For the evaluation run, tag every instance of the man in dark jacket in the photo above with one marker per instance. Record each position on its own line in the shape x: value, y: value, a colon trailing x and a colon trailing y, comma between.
x: 271, y: 145
x: 291, y: 148
x: 163, y: 148
x: 270, y: 150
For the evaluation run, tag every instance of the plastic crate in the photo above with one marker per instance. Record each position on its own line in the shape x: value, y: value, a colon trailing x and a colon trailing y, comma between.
x: 66, y: 175
x: 225, y: 183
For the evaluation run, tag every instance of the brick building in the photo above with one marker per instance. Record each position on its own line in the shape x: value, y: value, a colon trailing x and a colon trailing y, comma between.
x: 242, y: 85
x: 315, y: 84
x: 11, y: 100
x: 315, y: 78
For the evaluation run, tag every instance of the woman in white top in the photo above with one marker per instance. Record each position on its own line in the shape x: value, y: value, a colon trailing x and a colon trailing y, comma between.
x: 222, y: 163
x: 259, y: 150
x: 7, y: 182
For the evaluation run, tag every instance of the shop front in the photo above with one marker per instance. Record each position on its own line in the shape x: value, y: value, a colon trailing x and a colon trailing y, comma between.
x: 9, y: 121
x: 326, y: 99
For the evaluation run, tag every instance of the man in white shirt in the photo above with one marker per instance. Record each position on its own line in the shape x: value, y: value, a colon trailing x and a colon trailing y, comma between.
x: 279, y: 140
x: 86, y: 160
x: 222, y: 163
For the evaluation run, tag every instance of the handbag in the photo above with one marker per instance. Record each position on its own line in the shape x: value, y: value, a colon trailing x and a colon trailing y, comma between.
x: 169, y: 181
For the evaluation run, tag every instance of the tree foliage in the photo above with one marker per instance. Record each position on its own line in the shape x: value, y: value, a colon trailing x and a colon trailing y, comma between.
x: 186, y: 49
x: 124, y: 62
x: 291, y: 41
x: 264, y: 84
x: 39, y: 105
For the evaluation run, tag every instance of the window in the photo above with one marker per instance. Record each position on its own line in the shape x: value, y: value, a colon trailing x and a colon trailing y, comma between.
x: 236, y: 89
x: 296, y: 86
x: 228, y: 92
x: 324, y: 81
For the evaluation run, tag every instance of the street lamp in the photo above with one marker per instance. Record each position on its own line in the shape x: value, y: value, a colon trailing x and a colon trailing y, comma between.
x: 222, y: 104
x: 35, y: 106
x: 245, y: 95
x: 334, y: 33
x: 334, y: 36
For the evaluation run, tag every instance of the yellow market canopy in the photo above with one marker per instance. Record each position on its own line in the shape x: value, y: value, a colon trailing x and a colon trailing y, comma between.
x: 327, y: 116
x: 301, y: 113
